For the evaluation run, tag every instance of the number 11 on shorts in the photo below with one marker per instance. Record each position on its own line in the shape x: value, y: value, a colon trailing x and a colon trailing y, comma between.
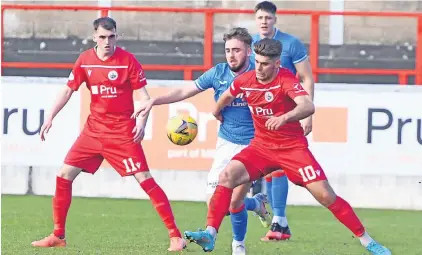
x: 132, y: 167
x: 308, y: 173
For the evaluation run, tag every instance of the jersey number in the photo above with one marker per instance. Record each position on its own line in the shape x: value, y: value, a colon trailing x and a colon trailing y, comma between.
x: 308, y: 173
x: 132, y: 167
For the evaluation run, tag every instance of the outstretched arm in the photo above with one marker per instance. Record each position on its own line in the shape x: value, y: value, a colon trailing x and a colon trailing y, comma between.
x: 177, y: 94
x: 173, y: 96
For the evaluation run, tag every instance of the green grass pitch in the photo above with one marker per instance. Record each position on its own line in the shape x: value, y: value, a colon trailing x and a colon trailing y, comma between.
x: 120, y: 226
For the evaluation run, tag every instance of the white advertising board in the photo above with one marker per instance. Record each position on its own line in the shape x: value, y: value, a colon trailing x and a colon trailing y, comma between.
x: 26, y: 102
x: 367, y: 138
x: 380, y: 127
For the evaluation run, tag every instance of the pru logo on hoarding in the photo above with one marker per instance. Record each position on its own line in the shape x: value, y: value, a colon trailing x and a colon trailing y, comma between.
x: 25, y: 118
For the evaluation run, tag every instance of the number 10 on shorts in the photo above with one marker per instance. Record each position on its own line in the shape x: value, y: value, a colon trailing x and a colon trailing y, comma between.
x: 132, y: 167
x: 308, y: 173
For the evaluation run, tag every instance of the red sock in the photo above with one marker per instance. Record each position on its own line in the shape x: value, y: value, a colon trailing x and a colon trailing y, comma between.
x: 219, y: 206
x: 345, y: 214
x: 162, y: 205
x: 61, y: 204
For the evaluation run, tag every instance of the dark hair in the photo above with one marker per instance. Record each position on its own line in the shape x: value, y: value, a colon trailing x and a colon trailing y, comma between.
x: 240, y: 34
x: 269, y: 48
x: 266, y: 6
x: 105, y: 22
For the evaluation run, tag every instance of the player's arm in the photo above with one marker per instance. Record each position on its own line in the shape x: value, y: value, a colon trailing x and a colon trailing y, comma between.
x: 138, y: 81
x: 304, y: 70
x: 75, y: 80
x: 226, y: 99
x: 62, y: 98
x: 303, y: 66
x: 204, y: 82
x: 178, y: 94
x: 175, y: 95
x: 304, y: 106
x: 143, y: 97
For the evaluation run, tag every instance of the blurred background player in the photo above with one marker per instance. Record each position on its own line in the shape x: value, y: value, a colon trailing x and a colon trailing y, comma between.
x: 295, y: 58
x: 112, y: 75
x: 236, y: 131
x: 277, y: 101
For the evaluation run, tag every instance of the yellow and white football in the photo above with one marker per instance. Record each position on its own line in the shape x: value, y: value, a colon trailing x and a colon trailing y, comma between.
x: 181, y: 129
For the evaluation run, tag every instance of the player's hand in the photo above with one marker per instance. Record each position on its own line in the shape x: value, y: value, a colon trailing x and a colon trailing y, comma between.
x: 139, y: 132
x: 45, y: 128
x: 307, y: 125
x: 275, y: 122
x: 218, y: 116
x: 143, y: 109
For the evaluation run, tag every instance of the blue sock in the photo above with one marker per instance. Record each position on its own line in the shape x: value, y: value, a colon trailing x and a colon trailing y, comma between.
x: 280, y: 189
x: 250, y: 203
x: 239, y: 224
x: 269, y: 188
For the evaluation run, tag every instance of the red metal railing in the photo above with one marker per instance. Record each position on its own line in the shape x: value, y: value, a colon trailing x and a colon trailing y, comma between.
x: 403, y: 74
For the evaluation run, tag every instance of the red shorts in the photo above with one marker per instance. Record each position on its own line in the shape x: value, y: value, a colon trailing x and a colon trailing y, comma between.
x: 125, y: 156
x: 299, y: 164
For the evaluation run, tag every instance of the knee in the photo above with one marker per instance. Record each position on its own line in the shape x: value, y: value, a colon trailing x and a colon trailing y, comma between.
x: 226, y: 179
x: 68, y: 172
x: 236, y: 204
x: 327, y: 197
x: 142, y: 176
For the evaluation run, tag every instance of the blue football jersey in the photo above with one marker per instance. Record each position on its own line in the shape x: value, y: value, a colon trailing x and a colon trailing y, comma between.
x: 237, y: 126
x: 293, y: 50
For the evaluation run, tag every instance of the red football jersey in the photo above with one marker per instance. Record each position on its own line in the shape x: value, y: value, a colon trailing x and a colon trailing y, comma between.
x: 111, y: 83
x: 272, y: 99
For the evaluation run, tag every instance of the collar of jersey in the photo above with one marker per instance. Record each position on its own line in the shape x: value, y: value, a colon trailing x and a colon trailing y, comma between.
x: 246, y: 70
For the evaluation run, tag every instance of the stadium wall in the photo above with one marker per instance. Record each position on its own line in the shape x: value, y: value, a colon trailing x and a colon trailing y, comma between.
x: 156, y: 26
x: 367, y: 138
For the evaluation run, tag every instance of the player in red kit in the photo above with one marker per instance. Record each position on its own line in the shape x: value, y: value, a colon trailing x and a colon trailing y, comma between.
x: 112, y: 75
x: 277, y: 101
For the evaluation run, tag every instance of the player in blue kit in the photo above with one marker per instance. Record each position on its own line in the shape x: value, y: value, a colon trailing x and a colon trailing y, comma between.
x: 295, y: 58
x: 236, y: 130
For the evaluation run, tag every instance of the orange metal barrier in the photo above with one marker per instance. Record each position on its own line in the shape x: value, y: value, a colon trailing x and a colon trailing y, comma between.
x: 403, y: 74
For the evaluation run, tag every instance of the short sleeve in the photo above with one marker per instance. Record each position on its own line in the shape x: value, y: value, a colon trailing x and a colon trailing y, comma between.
x: 235, y: 88
x: 206, y: 80
x: 298, y: 51
x: 293, y: 88
x: 77, y: 75
x: 136, y: 74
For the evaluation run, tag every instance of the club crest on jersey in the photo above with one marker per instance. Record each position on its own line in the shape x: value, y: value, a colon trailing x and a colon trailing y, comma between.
x: 112, y: 75
x: 269, y: 97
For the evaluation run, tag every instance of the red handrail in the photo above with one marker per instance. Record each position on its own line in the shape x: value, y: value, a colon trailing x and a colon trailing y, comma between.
x: 208, y: 38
